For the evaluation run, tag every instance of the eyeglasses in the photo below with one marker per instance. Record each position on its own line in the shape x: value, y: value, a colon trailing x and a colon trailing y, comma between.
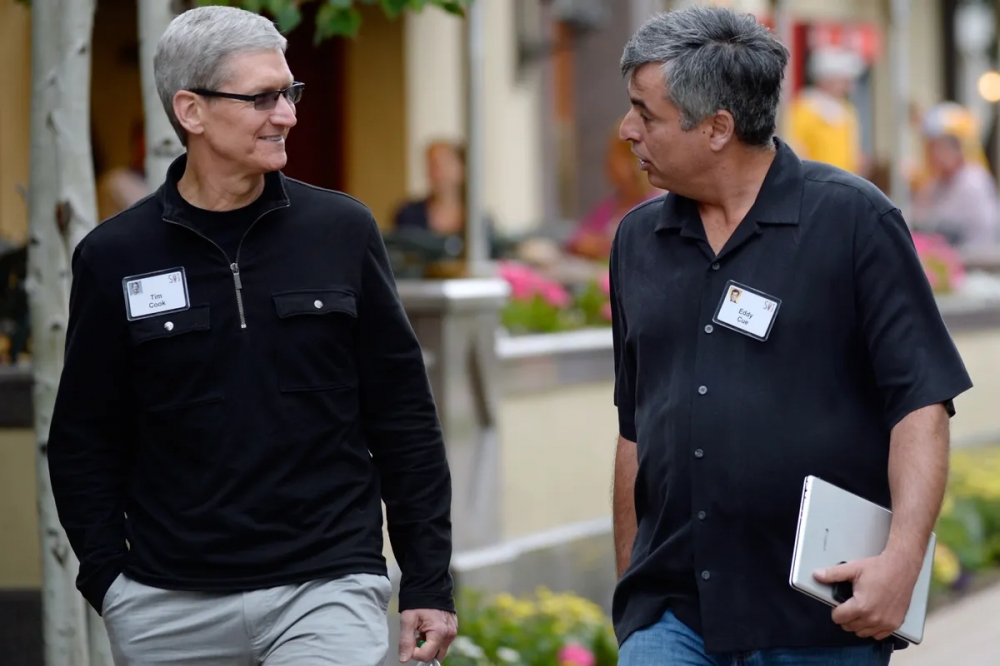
x: 264, y: 101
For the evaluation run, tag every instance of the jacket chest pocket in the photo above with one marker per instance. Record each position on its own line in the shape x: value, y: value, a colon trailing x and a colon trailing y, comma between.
x: 316, y: 339
x: 172, y: 360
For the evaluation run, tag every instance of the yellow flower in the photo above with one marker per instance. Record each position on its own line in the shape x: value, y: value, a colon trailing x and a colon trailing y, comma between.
x: 947, y: 568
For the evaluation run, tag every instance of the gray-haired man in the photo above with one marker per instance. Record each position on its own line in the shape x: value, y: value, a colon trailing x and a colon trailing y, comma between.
x: 228, y: 425
x: 834, y: 362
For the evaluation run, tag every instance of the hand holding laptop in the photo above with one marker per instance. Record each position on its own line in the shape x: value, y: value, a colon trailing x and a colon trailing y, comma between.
x: 842, y: 557
x: 882, y: 588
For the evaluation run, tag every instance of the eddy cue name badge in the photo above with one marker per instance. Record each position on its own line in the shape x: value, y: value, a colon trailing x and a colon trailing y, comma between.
x: 747, y: 311
x: 155, y: 293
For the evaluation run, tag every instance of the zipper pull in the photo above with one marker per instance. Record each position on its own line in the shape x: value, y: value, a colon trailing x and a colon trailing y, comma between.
x: 236, y: 275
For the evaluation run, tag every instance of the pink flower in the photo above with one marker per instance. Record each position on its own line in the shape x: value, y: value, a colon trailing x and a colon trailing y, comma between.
x: 554, y: 294
x: 942, y: 263
x: 520, y: 278
x: 604, y: 282
x: 525, y: 284
x: 606, y: 311
x: 575, y: 654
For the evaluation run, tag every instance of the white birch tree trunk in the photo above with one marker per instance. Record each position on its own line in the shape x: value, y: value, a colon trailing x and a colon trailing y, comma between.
x: 62, y: 209
x: 162, y: 144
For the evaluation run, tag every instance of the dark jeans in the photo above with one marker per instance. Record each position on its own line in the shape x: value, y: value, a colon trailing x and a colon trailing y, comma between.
x: 670, y: 642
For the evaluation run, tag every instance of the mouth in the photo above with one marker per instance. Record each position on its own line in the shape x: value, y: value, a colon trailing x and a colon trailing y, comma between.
x: 643, y: 164
x: 274, y: 139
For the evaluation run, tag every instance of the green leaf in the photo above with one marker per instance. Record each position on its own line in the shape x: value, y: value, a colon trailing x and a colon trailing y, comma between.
x: 393, y: 8
x: 288, y: 17
x: 334, y: 21
x: 453, y: 7
x: 963, y: 532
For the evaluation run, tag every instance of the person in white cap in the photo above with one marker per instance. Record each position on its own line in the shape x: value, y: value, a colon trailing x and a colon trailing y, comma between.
x: 824, y: 125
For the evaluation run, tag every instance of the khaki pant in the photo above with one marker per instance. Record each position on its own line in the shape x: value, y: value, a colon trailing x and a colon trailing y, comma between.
x: 340, y: 622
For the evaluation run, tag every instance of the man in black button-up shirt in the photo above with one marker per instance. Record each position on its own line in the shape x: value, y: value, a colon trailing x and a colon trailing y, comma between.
x: 771, y: 320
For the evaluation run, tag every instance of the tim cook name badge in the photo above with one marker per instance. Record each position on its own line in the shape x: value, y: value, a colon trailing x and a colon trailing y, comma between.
x: 155, y: 293
x: 747, y: 311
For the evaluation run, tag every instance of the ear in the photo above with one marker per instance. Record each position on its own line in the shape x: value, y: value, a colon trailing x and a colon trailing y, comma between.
x: 722, y: 130
x: 188, y: 109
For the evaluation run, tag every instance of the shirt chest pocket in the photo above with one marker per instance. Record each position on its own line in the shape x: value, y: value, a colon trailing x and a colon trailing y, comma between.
x: 316, y: 339
x: 172, y: 360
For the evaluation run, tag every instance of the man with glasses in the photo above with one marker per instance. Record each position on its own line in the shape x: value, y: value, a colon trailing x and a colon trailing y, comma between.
x: 241, y: 392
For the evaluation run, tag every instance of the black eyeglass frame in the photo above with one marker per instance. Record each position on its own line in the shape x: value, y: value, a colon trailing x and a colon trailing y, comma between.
x: 264, y: 101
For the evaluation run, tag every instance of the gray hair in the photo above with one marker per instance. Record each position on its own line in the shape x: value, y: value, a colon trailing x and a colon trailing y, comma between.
x: 714, y: 59
x: 194, y: 50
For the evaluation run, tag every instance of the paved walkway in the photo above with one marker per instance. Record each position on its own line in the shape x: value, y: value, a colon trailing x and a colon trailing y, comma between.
x: 966, y: 633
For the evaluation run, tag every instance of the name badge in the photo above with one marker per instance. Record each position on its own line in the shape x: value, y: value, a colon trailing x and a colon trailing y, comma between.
x: 747, y: 311
x: 152, y: 294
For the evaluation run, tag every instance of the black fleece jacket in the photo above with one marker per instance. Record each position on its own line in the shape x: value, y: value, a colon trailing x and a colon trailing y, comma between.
x: 246, y: 440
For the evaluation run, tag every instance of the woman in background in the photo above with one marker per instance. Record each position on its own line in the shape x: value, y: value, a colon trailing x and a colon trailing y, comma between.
x: 442, y: 211
x: 592, y: 238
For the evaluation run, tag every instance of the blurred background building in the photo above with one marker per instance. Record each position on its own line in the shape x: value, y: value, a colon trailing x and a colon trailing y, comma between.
x: 552, y: 93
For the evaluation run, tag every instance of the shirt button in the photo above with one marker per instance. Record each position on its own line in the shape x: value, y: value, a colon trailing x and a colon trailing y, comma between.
x: 169, y: 326
x: 715, y: 266
x: 708, y: 328
x: 698, y: 453
x: 702, y: 515
x: 705, y: 575
x: 702, y: 390
x: 318, y: 304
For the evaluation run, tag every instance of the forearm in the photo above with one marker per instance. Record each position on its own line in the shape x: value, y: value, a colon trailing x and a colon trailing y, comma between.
x: 918, y: 473
x: 623, y: 502
x: 403, y: 434
x: 88, y: 485
x: 90, y: 432
x: 408, y: 450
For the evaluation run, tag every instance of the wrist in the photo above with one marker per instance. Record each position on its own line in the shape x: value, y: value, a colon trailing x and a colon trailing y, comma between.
x: 905, y: 554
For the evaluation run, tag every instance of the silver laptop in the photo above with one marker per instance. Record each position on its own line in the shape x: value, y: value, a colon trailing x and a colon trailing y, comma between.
x: 837, y: 526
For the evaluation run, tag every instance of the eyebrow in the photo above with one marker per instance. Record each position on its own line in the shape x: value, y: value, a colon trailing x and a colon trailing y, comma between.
x: 639, y: 103
x: 267, y: 89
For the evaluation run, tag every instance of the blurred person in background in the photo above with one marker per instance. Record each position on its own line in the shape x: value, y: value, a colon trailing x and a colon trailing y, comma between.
x: 592, y: 238
x: 944, y: 118
x: 824, y: 125
x: 443, y: 210
x: 959, y: 200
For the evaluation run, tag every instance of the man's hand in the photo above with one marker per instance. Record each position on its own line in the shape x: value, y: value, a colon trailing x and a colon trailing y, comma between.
x: 437, y: 628
x: 883, y: 587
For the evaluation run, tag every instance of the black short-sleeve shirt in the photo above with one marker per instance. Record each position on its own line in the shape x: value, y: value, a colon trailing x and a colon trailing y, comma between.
x: 728, y: 426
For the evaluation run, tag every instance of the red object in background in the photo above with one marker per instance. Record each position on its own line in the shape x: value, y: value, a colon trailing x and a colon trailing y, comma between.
x: 865, y: 38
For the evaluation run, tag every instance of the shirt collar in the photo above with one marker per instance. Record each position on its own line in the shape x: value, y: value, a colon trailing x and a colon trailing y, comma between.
x: 273, y: 196
x: 777, y: 202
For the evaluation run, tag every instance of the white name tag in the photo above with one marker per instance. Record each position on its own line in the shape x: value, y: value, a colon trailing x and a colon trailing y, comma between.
x: 747, y: 311
x: 155, y: 293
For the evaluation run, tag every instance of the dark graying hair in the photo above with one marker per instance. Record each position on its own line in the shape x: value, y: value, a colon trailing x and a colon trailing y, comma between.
x: 194, y: 50
x: 714, y: 59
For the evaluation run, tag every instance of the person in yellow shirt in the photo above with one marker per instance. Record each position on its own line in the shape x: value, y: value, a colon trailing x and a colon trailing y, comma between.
x: 824, y: 125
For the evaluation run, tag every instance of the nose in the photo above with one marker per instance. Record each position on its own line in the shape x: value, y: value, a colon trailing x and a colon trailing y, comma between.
x: 626, y: 131
x: 283, y: 114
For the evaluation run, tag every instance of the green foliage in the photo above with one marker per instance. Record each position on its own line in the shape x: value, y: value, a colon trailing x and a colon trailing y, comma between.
x: 535, y: 315
x: 531, y: 631
x: 968, y: 529
x: 335, y: 17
